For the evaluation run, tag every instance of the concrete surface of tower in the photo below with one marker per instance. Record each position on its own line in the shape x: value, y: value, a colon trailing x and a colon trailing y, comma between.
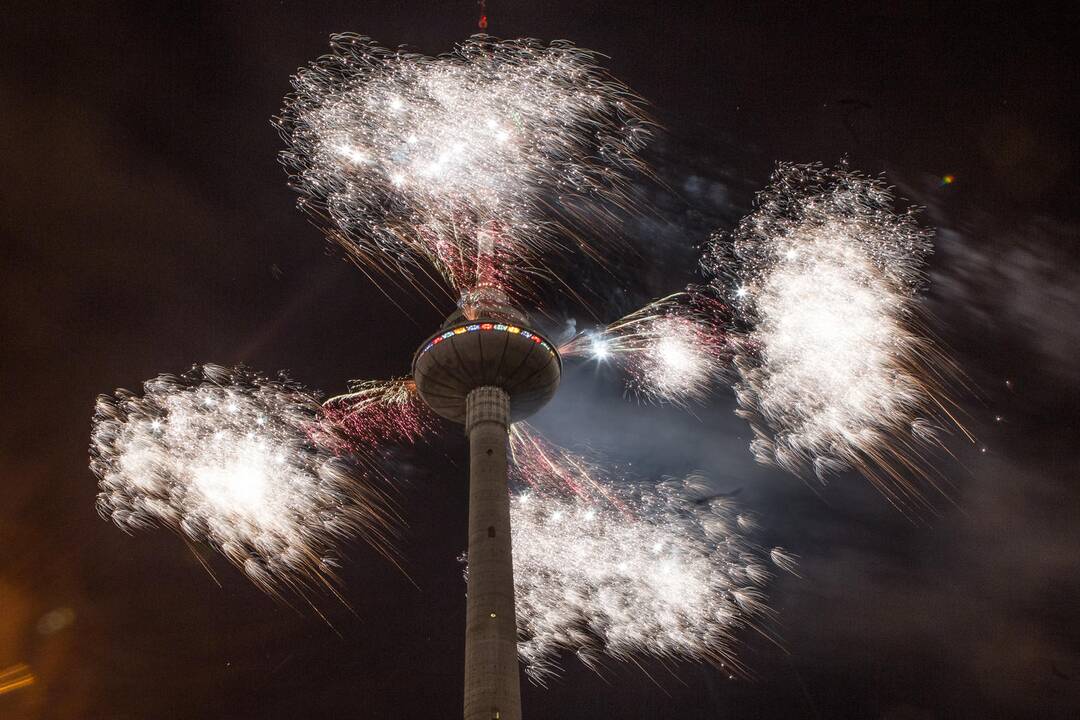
x: 486, y: 368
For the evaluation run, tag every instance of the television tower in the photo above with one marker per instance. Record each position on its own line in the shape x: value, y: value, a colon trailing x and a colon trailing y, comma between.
x: 486, y: 369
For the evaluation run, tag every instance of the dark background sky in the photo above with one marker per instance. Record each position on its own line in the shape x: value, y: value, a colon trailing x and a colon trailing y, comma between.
x: 146, y: 225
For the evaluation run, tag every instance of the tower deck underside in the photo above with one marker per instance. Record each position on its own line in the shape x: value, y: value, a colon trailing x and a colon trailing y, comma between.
x: 486, y: 353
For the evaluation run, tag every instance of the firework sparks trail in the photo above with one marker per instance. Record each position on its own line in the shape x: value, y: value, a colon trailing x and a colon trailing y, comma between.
x: 458, y: 161
x: 548, y: 469
x: 784, y: 560
x: 237, y: 461
x: 635, y: 569
x: 673, y: 350
x: 835, y: 371
x: 376, y: 412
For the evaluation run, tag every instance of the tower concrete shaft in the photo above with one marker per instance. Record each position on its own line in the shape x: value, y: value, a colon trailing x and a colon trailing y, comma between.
x: 486, y: 367
x: 492, y: 687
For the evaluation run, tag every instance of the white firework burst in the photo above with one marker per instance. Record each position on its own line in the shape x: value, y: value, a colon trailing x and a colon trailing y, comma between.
x: 242, y: 463
x: 834, y: 371
x: 673, y: 350
x: 460, y: 161
x: 629, y: 568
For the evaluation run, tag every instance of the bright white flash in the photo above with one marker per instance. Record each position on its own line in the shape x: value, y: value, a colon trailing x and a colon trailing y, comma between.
x: 242, y: 463
x: 674, y: 352
x: 831, y: 330
x: 671, y: 364
x: 599, y: 347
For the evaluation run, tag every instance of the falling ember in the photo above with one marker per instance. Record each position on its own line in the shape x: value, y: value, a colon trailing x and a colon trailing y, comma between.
x: 237, y: 461
x: 673, y: 350
x: 412, y: 160
x: 834, y: 371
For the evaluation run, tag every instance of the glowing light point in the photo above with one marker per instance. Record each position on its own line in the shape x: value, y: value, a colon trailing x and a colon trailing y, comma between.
x: 599, y: 348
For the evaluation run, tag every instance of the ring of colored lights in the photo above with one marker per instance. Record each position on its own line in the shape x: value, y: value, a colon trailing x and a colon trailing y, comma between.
x: 460, y: 358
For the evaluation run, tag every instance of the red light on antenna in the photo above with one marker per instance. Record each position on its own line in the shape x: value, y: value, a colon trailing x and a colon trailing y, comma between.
x: 483, y: 22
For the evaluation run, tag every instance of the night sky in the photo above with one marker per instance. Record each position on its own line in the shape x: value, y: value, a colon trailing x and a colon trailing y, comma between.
x: 147, y: 225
